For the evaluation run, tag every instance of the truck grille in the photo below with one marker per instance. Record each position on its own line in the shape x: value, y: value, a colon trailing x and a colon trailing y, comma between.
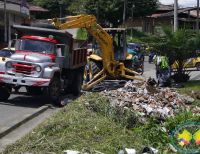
x: 23, y: 68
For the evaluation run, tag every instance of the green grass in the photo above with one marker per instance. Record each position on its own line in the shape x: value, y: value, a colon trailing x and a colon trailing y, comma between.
x: 90, y: 123
x: 78, y: 127
x: 191, y: 86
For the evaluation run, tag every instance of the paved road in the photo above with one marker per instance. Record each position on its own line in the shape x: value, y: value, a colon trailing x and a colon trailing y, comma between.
x: 17, y: 106
x: 149, y: 71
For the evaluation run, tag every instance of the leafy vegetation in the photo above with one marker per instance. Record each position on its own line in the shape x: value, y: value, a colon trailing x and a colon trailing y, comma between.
x: 191, y: 86
x: 90, y: 124
x: 82, y: 34
x: 108, y: 12
x: 178, y: 46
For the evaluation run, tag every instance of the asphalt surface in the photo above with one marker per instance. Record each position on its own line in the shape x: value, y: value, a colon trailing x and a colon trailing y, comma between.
x: 24, y: 129
x: 149, y: 71
x: 19, y: 105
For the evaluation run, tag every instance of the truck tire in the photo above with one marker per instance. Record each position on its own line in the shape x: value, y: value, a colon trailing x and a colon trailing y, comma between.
x: 77, y: 81
x: 5, y: 93
x: 34, y: 90
x: 54, y: 90
x: 198, y: 66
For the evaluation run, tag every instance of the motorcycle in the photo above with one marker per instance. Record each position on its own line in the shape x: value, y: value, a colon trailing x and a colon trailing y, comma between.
x: 151, y: 55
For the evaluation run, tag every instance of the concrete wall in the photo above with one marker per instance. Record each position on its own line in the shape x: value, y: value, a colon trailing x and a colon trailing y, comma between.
x: 17, y: 12
x: 149, y: 25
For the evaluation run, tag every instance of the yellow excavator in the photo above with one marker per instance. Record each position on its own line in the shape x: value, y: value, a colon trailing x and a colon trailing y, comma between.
x: 112, y: 68
x: 95, y: 61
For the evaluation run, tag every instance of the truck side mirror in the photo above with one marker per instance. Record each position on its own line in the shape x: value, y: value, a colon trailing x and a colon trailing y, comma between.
x: 9, y: 44
x: 58, y: 52
x: 12, y: 44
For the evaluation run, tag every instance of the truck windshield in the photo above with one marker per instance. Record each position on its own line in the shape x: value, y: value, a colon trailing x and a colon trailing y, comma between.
x: 36, y: 46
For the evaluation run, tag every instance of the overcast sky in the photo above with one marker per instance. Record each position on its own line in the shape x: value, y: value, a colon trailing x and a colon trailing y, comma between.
x: 181, y: 2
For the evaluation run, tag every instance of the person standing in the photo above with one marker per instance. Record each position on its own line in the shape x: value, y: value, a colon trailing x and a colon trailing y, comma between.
x: 162, y: 70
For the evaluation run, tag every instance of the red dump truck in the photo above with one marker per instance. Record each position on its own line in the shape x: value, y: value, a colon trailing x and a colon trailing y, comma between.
x: 44, y: 62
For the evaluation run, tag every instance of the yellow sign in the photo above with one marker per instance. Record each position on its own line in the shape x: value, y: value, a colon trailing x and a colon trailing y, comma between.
x: 186, y: 138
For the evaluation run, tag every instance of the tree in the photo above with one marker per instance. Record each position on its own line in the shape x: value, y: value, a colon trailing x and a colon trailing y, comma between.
x: 178, y: 46
x: 111, y: 11
x: 54, y: 7
x: 107, y: 11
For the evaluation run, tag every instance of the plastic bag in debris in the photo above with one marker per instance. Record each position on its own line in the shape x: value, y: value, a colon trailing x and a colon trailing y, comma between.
x: 71, y: 152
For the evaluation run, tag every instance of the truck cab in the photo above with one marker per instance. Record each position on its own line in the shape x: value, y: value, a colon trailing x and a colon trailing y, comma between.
x: 37, y: 44
x: 44, y: 61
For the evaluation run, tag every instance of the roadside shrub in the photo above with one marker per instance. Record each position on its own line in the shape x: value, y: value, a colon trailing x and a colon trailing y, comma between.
x: 178, y: 78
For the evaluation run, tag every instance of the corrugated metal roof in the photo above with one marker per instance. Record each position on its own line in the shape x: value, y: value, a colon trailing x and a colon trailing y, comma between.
x: 162, y: 7
x: 14, y: 1
x: 193, y: 13
x: 34, y: 8
x: 171, y: 13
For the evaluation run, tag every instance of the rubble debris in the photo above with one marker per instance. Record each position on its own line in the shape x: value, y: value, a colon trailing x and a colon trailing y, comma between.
x: 130, y: 151
x: 71, y: 152
x: 145, y: 150
x: 148, y: 100
x: 149, y: 150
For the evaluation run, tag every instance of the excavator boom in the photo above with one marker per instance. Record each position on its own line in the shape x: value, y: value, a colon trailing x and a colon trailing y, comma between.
x: 102, y: 37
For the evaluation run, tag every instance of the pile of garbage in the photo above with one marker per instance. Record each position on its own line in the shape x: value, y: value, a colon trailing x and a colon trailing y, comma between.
x: 147, y: 99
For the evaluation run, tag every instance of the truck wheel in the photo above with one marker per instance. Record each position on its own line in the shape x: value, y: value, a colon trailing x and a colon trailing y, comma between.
x: 34, y: 90
x: 5, y: 93
x: 198, y: 66
x: 54, y: 90
x: 77, y: 82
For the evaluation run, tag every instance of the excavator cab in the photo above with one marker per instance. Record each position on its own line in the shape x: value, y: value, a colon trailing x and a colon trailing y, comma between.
x: 119, y: 42
x: 119, y: 45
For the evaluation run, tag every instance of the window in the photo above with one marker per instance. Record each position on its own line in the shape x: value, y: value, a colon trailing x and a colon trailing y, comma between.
x: 36, y: 46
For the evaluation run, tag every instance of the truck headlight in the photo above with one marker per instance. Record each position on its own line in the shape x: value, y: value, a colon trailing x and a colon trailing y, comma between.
x: 9, y: 65
x: 38, y: 68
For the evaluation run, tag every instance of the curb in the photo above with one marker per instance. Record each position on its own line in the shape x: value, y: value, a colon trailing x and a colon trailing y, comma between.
x: 6, y: 130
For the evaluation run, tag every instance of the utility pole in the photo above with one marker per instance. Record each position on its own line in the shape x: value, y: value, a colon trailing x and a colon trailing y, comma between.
x: 133, y: 6
x: 97, y: 10
x: 5, y: 23
x: 60, y: 3
x: 124, y: 13
x: 175, y: 15
x: 197, y: 24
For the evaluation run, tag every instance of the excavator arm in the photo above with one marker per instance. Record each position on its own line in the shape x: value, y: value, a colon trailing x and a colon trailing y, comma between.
x: 102, y: 37
x: 111, y: 67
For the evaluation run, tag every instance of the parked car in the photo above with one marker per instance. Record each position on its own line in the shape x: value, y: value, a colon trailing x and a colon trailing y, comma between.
x: 6, y: 53
x: 189, y: 63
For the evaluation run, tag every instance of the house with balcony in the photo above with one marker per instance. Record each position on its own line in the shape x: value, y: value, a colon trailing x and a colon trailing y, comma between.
x: 17, y: 12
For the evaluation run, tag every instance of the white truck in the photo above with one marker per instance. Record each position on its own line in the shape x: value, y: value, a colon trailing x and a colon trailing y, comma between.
x: 44, y: 62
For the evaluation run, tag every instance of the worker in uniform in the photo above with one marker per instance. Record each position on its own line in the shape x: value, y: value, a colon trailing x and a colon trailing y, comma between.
x: 162, y: 70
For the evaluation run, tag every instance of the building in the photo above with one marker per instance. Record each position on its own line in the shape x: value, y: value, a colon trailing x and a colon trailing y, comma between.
x: 17, y: 12
x: 149, y: 24
x: 35, y: 11
x: 164, y: 16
